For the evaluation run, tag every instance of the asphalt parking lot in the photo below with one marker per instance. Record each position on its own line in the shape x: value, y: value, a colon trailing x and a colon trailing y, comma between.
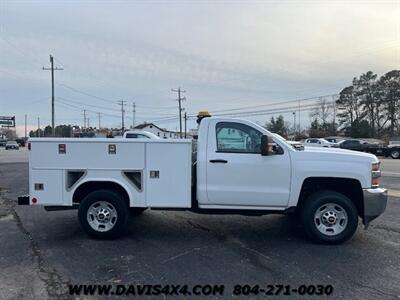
x: 42, y: 252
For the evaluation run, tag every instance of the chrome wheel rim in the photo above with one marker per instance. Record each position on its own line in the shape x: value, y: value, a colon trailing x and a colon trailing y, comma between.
x: 102, y: 216
x: 330, y: 219
x: 395, y: 154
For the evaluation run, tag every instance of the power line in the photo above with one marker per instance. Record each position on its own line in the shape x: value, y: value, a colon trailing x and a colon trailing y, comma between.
x: 79, y: 108
x: 84, y: 93
x: 91, y: 105
x: 272, y: 111
x: 274, y: 103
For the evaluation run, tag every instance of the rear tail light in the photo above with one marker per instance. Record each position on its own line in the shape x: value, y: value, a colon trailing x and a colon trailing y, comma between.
x: 29, y: 146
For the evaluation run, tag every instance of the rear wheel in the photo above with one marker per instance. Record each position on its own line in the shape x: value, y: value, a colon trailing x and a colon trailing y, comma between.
x: 103, y: 214
x: 395, y: 153
x: 329, y: 217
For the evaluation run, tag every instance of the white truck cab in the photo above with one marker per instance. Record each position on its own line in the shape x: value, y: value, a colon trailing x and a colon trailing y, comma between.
x: 239, y: 168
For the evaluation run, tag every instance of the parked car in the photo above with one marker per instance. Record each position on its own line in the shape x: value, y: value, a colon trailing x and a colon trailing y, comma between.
x: 21, y: 142
x: 295, y: 144
x: 319, y: 142
x: 12, y: 145
x: 393, y: 150
x: 139, y: 134
x: 3, y: 142
x: 236, y: 171
x: 360, y: 145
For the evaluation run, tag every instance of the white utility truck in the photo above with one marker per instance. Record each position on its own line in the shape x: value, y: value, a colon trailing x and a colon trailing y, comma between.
x: 238, y: 168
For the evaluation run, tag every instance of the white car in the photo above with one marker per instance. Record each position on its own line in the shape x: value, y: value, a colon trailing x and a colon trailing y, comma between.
x: 295, y: 144
x: 319, y: 142
x: 139, y: 134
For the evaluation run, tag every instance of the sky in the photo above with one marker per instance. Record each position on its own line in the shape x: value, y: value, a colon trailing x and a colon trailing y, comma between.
x: 224, y: 54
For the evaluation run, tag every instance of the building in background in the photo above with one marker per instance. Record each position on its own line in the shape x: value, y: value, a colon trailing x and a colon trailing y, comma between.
x: 161, y: 132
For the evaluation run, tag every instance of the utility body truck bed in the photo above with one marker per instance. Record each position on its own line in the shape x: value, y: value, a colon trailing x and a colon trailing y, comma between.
x: 167, y: 165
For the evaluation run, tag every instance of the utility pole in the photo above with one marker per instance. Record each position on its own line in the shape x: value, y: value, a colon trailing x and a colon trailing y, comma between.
x: 299, y: 118
x: 38, y: 127
x: 25, y: 127
x: 52, y: 91
x: 180, y: 99
x: 294, y: 123
x: 185, y: 116
x: 134, y: 114
x: 84, y: 118
x: 122, y: 103
x: 99, y: 115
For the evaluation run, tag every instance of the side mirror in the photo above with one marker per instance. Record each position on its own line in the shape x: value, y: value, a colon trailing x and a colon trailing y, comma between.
x: 266, y: 145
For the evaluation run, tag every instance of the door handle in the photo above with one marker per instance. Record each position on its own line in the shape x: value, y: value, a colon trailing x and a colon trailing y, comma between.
x: 223, y: 161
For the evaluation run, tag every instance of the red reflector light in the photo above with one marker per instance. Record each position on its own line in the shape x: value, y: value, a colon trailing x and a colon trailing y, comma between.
x: 29, y: 146
x: 34, y: 200
x: 62, y: 148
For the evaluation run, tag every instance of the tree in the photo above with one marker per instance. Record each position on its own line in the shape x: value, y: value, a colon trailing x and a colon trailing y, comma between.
x: 315, y: 130
x: 8, y: 133
x: 371, y: 106
x: 359, y: 129
x: 278, y: 126
x: 63, y: 131
x: 47, y: 131
x: 389, y: 90
x: 366, y: 88
x: 348, y: 107
x: 324, y: 118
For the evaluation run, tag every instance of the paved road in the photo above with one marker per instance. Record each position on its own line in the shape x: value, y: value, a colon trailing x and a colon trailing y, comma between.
x: 13, y: 156
x: 41, y: 252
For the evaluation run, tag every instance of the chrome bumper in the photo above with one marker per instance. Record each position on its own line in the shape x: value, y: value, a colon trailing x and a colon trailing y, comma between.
x: 374, y: 204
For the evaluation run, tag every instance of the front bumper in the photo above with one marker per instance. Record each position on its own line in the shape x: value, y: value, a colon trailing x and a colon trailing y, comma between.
x: 375, y: 201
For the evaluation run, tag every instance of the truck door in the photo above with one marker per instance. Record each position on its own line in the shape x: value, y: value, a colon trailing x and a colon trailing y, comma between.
x: 237, y: 174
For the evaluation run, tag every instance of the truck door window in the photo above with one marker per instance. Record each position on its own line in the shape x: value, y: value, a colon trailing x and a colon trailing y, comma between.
x: 237, y: 138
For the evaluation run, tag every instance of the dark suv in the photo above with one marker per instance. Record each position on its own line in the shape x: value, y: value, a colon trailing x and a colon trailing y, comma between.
x: 359, y: 145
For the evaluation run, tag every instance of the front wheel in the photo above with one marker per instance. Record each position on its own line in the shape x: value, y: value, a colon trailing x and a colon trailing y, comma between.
x: 329, y: 217
x: 395, y: 154
x: 103, y: 214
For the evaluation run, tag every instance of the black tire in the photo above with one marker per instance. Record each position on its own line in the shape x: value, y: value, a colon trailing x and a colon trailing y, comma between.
x: 395, y: 154
x: 316, y: 202
x: 118, y: 204
x: 136, y: 211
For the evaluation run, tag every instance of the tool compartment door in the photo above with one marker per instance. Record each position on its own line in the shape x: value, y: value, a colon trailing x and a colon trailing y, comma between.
x: 168, y: 174
x: 46, y: 186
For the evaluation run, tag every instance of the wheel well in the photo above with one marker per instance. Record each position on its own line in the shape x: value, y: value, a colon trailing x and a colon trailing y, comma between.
x: 83, y: 190
x: 351, y: 188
